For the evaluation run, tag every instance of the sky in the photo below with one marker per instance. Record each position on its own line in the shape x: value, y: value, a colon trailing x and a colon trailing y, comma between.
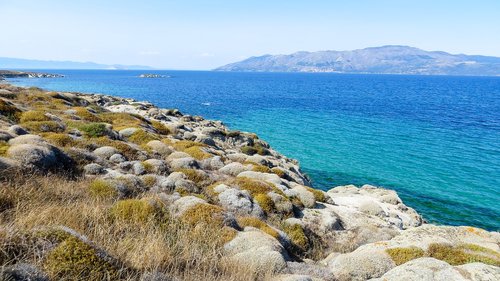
x: 199, y: 35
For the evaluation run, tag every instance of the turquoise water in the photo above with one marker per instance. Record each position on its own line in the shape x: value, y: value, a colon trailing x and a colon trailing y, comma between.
x: 436, y: 140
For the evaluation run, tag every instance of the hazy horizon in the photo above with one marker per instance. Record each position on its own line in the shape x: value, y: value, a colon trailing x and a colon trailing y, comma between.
x: 194, y: 35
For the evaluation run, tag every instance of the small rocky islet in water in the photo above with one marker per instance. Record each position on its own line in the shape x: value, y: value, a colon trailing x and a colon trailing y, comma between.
x: 99, y: 187
x: 152, y: 75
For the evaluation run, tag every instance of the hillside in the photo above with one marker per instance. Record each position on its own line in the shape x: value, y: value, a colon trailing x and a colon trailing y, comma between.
x: 377, y: 60
x: 96, y: 187
x: 16, y: 63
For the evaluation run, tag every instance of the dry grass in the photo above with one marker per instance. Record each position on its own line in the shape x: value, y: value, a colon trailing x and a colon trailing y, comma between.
x: 257, y: 223
x: 172, y: 247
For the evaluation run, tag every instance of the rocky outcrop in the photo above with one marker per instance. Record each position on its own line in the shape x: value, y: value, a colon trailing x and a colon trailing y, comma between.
x: 175, y: 165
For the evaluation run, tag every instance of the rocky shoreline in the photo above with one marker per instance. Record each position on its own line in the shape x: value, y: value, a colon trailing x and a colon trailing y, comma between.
x: 204, y: 175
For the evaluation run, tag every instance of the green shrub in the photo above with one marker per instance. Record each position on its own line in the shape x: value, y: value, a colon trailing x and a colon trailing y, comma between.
x: 265, y: 202
x: 43, y: 126
x: 255, y: 149
x: 4, y: 146
x: 257, y: 223
x: 252, y: 186
x: 462, y: 254
x: 296, y: 234
x: 403, y: 255
x: 149, y: 180
x: 134, y: 210
x: 86, y: 115
x: 197, y: 153
x: 278, y: 172
x: 60, y: 139
x: 184, y: 144
x: 318, y: 194
x: 93, y: 130
x: 249, y: 150
x: 75, y: 260
x: 193, y: 175
x: 204, y: 214
x: 33, y: 115
x: 10, y: 111
x: 141, y: 137
x: 160, y: 127
x: 102, y: 189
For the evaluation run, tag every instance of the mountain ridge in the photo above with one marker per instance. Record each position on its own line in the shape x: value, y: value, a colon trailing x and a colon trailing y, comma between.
x: 18, y: 63
x: 388, y: 59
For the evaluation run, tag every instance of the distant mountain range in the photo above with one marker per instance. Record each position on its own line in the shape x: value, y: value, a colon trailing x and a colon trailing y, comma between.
x: 14, y: 63
x: 376, y: 60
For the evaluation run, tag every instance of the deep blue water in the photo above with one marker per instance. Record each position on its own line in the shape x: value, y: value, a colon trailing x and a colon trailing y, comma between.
x: 434, y: 139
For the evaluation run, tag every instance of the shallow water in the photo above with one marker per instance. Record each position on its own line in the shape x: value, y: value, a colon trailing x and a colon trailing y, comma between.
x: 434, y: 139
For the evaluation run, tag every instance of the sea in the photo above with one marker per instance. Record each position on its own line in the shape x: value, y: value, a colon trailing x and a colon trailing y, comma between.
x: 433, y: 139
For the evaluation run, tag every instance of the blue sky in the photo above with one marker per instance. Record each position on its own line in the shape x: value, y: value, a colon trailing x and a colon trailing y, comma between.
x: 206, y: 34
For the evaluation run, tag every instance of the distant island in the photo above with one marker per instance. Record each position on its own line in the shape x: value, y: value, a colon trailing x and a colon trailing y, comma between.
x: 375, y: 60
x: 16, y: 63
x: 152, y: 75
x: 21, y: 74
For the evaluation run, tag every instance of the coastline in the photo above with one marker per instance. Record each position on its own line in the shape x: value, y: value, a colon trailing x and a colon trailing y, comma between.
x: 242, y: 175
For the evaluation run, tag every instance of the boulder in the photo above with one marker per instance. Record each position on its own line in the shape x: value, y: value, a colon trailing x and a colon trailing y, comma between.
x: 94, y: 169
x: 138, y: 168
x: 127, y: 132
x: 239, y: 202
x: 105, y: 152
x: 213, y: 163
x: 257, y: 250
x: 22, y: 272
x: 183, y: 163
x: 7, y: 164
x: 237, y: 157
x: 160, y: 147
x: 479, y: 271
x: 234, y: 168
x: 177, y: 155
x: 117, y: 158
x: 183, y: 204
x: 364, y: 263
x: 291, y: 277
x: 305, y: 196
x: 17, y: 130
x: 33, y: 156
x: 423, y: 269
x: 28, y: 139
x: 5, y: 136
x: 156, y: 166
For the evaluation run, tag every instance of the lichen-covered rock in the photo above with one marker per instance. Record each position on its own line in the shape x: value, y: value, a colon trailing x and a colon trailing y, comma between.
x: 93, y: 169
x: 159, y: 147
x: 105, y: 151
x: 22, y: 272
x: 182, y: 204
x: 117, y: 158
x: 183, y: 163
x: 257, y: 250
x: 127, y: 132
x: 362, y: 264
x: 234, y: 168
x: 33, y: 156
x: 17, y: 130
x: 305, y: 196
x: 423, y: 269
x: 239, y: 202
x: 27, y: 139
x: 479, y: 271
x: 156, y: 166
